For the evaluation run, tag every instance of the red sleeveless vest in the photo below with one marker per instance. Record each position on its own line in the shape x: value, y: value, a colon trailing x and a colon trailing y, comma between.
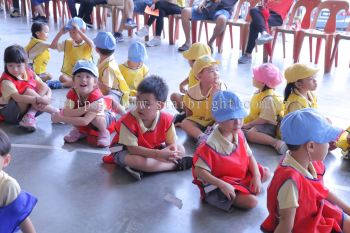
x: 233, y: 168
x: 21, y: 85
x: 315, y: 213
x: 149, y: 139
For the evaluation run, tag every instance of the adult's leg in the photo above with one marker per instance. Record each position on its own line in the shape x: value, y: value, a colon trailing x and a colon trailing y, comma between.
x: 186, y: 15
x: 256, y: 25
x: 165, y: 9
x: 220, y: 25
x: 15, y: 5
x: 71, y: 6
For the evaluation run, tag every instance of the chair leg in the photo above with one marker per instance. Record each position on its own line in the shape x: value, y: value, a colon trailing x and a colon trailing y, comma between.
x: 318, y: 47
x: 327, y: 57
x: 274, y: 43
x: 145, y: 20
x: 200, y: 31
x: 206, y: 31
x: 283, y: 44
x: 231, y: 35
x: 334, y: 55
x: 54, y: 8
x: 310, y: 47
x: 194, y: 31
x: 171, y: 20
x: 299, y: 39
x: 177, y: 25
x: 220, y: 41
x: 47, y: 9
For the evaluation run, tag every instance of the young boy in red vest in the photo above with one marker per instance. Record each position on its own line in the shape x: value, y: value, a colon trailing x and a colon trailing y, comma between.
x: 297, y: 200
x: 224, y: 167
x: 146, y: 137
x: 85, y: 107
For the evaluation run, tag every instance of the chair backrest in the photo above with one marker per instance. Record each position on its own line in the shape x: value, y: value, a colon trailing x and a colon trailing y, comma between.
x: 334, y: 6
x: 238, y: 8
x: 309, y: 6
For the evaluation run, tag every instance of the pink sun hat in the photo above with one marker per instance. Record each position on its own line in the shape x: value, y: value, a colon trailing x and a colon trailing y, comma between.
x: 268, y: 74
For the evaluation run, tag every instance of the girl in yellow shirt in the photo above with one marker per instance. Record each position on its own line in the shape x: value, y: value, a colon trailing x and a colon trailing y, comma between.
x: 266, y: 108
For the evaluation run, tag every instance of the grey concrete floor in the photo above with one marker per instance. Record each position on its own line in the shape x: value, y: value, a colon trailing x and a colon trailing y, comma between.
x: 77, y: 193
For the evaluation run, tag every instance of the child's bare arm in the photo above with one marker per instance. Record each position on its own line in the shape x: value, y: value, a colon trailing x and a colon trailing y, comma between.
x: 339, y: 202
x: 104, y: 88
x: 188, y: 112
x: 258, y: 121
x: 255, y: 184
x: 165, y: 153
x: 77, y: 121
x: 225, y: 187
x: 30, y: 99
x: 27, y: 226
x: 182, y: 85
x: 286, y: 221
x: 54, y: 43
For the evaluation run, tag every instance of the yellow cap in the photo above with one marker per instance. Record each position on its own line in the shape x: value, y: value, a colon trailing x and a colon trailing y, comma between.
x: 197, y: 50
x: 299, y: 71
x: 203, y: 62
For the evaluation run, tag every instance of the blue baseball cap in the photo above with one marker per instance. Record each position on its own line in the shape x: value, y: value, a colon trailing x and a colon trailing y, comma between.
x: 302, y: 126
x: 227, y: 106
x: 85, y: 65
x: 137, y: 52
x: 78, y: 21
x: 105, y: 40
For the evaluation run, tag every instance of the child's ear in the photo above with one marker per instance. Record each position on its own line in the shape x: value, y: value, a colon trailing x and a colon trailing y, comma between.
x: 7, y: 160
x: 310, y: 146
x: 160, y: 105
x: 298, y: 84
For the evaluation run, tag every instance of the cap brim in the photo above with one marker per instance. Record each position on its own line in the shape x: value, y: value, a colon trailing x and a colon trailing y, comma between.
x: 240, y: 114
x: 187, y: 55
x: 85, y: 69
x: 332, y: 134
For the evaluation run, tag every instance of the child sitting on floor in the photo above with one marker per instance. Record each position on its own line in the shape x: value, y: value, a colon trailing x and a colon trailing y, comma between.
x: 146, y: 137
x: 85, y: 106
x: 15, y: 205
x: 224, y: 167
x: 297, y: 200
x: 78, y: 47
x: 266, y: 108
x: 110, y: 81
x: 23, y: 95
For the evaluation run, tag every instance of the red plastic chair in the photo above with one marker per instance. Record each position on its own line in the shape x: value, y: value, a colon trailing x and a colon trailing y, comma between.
x: 289, y: 28
x: 340, y: 36
x: 334, y: 6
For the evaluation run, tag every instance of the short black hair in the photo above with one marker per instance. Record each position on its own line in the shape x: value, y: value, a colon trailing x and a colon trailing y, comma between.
x: 37, y: 27
x: 155, y: 85
x: 293, y: 147
x: 105, y: 52
x: 15, y: 54
x: 5, y: 145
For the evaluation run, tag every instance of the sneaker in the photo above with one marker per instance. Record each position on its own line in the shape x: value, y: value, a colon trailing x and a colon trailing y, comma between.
x: 74, y: 135
x: 28, y: 122
x: 245, y: 59
x: 104, y: 140
x: 154, y: 42
x: 40, y: 18
x: 184, y: 163
x: 178, y: 118
x: 130, y: 24
x: 15, y: 14
x: 183, y: 48
x: 264, y: 38
x: 134, y: 173
x: 54, y: 84
x: 109, y: 159
x: 118, y: 37
x: 142, y: 32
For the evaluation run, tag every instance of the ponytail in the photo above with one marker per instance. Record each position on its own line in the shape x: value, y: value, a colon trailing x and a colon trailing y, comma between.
x: 289, y: 88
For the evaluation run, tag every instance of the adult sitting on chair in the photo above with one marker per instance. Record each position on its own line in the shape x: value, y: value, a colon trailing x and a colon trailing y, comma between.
x: 218, y: 10
x: 278, y: 10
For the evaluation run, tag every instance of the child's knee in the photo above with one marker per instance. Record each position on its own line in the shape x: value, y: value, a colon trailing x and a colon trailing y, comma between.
x: 250, y: 201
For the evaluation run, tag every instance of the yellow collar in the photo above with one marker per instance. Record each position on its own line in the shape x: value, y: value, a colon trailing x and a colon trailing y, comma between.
x: 290, y: 161
x: 221, y: 144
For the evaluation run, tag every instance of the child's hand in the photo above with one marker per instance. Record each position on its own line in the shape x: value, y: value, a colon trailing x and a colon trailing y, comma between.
x: 168, y: 154
x: 95, y: 107
x: 62, y: 30
x: 228, y: 190
x: 182, y: 88
x: 56, y: 117
x: 215, y: 87
x: 173, y: 147
x: 255, y: 184
x: 75, y: 27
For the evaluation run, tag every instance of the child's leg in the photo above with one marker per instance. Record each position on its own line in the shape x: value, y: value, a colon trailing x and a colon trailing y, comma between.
x: 45, y: 76
x: 253, y: 135
x: 117, y: 107
x: 100, y: 123
x: 191, y: 128
x: 27, y: 226
x: 346, y: 224
x: 177, y: 100
x: 34, y: 108
x: 148, y: 164
x: 245, y: 201
x: 66, y: 81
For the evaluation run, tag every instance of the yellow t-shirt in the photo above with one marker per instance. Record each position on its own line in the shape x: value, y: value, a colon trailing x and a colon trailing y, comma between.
x: 8, y: 88
x: 110, y: 76
x: 297, y: 101
x: 38, y: 54
x: 129, y: 139
x: 9, y: 189
x: 288, y: 194
x: 192, y: 80
x: 72, y: 53
x: 200, y: 105
x: 133, y: 77
x: 224, y: 146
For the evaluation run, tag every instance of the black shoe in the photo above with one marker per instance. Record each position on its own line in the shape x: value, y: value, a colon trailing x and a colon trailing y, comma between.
x: 118, y: 37
x: 40, y: 18
x: 15, y: 14
x: 184, y: 163
x: 178, y: 118
x: 134, y: 173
